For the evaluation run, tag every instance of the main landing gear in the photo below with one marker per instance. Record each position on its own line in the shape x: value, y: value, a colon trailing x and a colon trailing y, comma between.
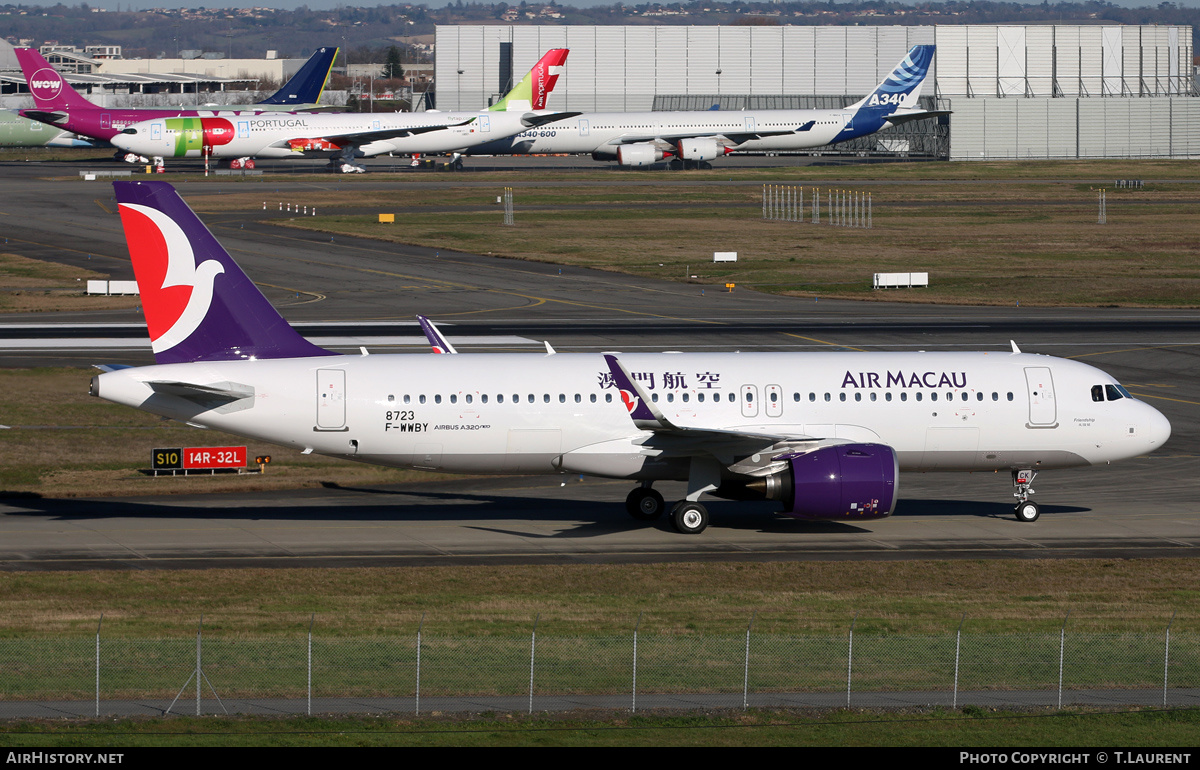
x: 645, y: 504
x: 687, y: 516
x: 1026, y: 509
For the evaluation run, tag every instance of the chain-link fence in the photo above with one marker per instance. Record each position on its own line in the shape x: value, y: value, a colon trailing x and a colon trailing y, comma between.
x: 424, y: 673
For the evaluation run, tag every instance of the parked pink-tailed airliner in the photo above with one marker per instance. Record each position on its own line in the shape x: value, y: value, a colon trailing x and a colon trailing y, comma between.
x: 60, y: 105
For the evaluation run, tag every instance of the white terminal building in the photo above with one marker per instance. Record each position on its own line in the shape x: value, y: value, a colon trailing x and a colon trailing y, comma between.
x: 1015, y: 91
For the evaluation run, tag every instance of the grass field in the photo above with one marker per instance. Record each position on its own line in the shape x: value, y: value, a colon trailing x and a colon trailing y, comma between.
x: 910, y: 598
x: 987, y: 233
x: 935, y: 728
x: 60, y: 441
x: 34, y: 285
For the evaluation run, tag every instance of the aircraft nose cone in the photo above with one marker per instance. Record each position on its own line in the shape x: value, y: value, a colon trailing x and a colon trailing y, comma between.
x: 1160, y: 428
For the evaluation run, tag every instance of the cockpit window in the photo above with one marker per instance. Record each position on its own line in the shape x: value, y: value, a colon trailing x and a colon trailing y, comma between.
x: 1109, y: 392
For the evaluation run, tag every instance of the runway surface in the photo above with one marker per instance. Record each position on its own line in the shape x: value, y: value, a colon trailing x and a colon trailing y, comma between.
x: 1145, y: 507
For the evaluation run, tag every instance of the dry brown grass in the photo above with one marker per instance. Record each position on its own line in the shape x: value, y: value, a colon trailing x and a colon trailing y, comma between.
x: 34, y: 285
x: 64, y: 443
x: 816, y: 597
x: 992, y: 240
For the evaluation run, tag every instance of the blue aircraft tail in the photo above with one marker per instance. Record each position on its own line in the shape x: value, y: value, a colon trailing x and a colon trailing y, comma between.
x: 898, y: 93
x: 308, y: 83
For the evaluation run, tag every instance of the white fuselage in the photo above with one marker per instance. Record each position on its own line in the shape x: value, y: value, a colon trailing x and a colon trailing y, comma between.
x: 282, y: 135
x: 604, y: 131
x: 526, y: 413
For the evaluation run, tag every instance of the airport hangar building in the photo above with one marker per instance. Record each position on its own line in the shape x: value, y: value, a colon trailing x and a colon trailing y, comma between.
x: 1015, y: 91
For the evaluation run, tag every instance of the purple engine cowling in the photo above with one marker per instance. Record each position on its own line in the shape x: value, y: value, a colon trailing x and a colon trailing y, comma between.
x: 847, y: 481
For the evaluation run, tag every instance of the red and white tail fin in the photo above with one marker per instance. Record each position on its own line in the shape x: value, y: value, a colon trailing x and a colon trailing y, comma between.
x: 533, y: 90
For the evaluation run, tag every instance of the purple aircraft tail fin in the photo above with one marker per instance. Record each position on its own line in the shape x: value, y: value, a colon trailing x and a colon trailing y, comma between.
x: 48, y: 88
x: 199, y: 304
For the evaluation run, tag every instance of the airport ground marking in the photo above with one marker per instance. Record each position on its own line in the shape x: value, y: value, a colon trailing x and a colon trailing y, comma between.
x: 316, y: 296
x: 823, y: 342
x: 507, y: 269
x: 1134, y: 350
x: 454, y: 284
x: 1165, y: 398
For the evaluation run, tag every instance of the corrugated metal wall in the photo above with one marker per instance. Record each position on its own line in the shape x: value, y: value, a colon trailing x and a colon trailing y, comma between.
x: 1077, y: 127
x: 624, y: 67
x: 1013, y: 88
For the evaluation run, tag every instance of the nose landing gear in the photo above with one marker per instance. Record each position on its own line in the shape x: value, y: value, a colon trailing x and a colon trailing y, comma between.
x: 1026, y: 509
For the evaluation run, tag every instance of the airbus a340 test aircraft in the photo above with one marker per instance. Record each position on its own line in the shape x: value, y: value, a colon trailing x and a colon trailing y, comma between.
x: 825, y: 434
x: 694, y: 138
x: 348, y: 136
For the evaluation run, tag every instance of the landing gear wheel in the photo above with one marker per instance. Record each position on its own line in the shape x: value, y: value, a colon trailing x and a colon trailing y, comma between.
x: 690, y: 518
x: 1028, y: 511
x: 645, y: 504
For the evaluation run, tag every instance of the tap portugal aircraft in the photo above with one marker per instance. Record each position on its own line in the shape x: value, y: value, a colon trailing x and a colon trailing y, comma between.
x: 347, y: 136
x: 60, y: 105
x: 646, y: 138
x: 824, y: 434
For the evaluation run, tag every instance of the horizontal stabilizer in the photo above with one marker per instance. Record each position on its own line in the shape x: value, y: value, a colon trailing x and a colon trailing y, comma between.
x: 222, y: 391
x: 53, y: 117
x: 531, y: 120
x: 896, y: 118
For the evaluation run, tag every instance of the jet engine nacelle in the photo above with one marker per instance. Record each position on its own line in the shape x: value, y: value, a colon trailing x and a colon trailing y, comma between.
x: 847, y: 481
x: 639, y: 154
x: 700, y: 149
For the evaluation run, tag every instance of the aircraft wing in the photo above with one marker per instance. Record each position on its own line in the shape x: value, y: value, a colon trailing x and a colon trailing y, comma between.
x: 747, y: 452
x: 379, y: 134
x: 647, y: 416
x: 732, y: 138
